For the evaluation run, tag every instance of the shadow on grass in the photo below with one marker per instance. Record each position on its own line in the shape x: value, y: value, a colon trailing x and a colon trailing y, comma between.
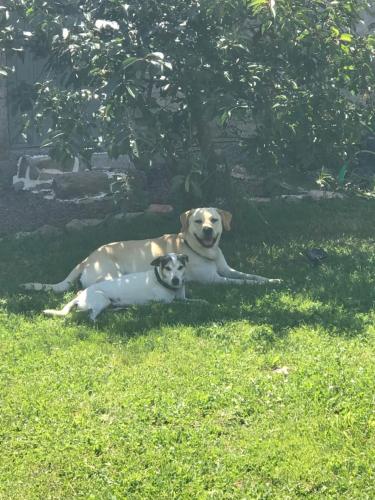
x: 337, y: 296
x: 274, y: 312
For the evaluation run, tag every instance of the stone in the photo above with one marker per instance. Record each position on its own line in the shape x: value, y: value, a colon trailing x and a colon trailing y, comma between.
x: 239, y: 172
x: 127, y: 216
x: 293, y: 197
x: 33, y: 172
x: 42, y: 186
x: 156, y: 208
x: 22, y: 165
x: 21, y: 234
x: 80, y: 184
x: 43, y: 162
x: 101, y: 161
x: 260, y: 199
x: 18, y: 186
x: 39, y: 163
x: 46, y: 230
x: 93, y: 199
x: 313, y: 194
x: 316, y: 194
x: 79, y: 224
x: 49, y: 174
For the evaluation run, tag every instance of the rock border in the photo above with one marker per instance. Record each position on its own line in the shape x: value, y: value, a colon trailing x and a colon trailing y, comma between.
x: 76, y: 225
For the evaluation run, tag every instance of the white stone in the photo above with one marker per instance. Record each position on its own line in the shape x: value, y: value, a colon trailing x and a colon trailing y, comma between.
x: 126, y: 216
x: 45, y: 230
x: 156, y: 208
x: 79, y: 224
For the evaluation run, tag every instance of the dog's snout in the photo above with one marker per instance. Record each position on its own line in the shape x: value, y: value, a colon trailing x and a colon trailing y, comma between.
x: 207, y: 231
x: 175, y: 281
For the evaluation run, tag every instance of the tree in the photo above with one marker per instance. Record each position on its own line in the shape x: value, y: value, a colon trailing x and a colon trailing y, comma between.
x: 164, y: 79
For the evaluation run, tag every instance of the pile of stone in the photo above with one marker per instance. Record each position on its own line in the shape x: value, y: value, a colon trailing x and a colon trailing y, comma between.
x: 73, y: 181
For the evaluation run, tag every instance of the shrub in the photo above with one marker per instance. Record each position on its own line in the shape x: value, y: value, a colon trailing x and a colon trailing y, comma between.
x: 174, y: 80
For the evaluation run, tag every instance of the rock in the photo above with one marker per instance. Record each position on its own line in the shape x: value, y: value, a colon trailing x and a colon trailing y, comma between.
x: 313, y: 194
x: 33, y: 172
x: 44, y: 162
x: 101, y: 161
x: 22, y: 165
x: 78, y: 225
x: 21, y: 234
x: 42, y: 186
x: 126, y: 216
x: 38, y: 163
x: 316, y: 194
x: 18, y: 186
x: 293, y: 197
x: 156, y: 208
x: 80, y: 184
x: 49, y: 174
x: 239, y: 172
x: 260, y: 199
x: 46, y: 230
x: 93, y: 199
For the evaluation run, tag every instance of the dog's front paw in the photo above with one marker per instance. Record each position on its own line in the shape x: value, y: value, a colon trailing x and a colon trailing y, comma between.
x: 275, y: 281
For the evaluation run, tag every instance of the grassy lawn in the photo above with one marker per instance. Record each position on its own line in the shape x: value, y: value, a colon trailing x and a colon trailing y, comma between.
x: 182, y: 401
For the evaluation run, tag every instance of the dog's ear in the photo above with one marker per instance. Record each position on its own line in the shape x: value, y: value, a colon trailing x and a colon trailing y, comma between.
x: 157, y: 261
x: 183, y: 258
x: 226, y: 218
x: 184, y: 218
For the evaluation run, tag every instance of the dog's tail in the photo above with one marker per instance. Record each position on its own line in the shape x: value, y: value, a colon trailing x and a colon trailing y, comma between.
x: 64, y: 311
x: 61, y: 287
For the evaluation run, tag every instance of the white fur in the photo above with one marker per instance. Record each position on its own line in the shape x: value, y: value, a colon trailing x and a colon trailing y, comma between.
x: 206, y: 264
x: 133, y: 289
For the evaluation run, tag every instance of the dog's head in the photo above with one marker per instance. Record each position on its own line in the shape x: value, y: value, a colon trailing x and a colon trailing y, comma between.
x: 205, y: 225
x: 171, y: 268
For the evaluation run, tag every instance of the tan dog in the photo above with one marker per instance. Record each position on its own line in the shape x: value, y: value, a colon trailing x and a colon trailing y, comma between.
x: 199, y: 239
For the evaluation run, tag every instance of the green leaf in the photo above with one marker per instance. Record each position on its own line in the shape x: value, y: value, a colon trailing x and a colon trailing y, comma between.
x: 129, y: 61
x: 346, y: 37
x: 342, y: 174
x: 130, y: 92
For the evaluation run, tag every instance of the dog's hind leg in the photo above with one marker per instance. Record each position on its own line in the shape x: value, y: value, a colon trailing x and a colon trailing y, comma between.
x: 96, y: 303
x: 64, y: 311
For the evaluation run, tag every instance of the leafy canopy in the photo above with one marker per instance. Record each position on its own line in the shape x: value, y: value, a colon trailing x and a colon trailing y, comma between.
x: 172, y: 79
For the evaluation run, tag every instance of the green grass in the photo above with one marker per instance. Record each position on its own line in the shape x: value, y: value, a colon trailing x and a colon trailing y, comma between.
x: 183, y: 401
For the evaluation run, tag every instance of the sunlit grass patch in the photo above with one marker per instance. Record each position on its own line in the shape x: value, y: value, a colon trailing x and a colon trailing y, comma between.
x: 267, y: 392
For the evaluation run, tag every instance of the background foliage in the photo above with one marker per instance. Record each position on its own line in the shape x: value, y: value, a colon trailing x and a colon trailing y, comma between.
x: 176, y: 80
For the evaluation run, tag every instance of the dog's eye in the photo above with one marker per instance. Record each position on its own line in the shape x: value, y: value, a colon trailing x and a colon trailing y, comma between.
x: 180, y: 267
x: 213, y: 220
x: 199, y: 221
x: 168, y: 268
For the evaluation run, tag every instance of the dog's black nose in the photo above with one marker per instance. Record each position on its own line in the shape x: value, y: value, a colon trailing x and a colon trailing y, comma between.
x: 207, y: 231
x: 175, y: 281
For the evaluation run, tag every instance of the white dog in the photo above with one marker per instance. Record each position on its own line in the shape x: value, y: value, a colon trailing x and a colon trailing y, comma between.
x: 163, y: 284
x: 199, y: 239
